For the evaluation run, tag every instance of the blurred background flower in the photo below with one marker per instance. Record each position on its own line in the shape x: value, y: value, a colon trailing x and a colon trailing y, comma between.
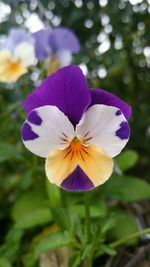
x: 16, y: 55
x: 56, y: 46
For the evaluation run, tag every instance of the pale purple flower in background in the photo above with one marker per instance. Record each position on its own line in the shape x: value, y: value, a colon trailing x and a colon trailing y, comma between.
x: 57, y: 46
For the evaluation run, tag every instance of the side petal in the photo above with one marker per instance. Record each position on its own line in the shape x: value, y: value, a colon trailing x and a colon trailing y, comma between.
x: 106, y: 127
x: 45, y: 130
x: 24, y: 52
x: 42, y: 47
x: 99, y: 96
x: 63, y: 38
x: 96, y: 165
x: 64, y: 57
x: 66, y: 89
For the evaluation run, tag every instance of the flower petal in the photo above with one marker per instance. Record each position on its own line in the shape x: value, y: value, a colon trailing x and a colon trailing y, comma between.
x: 46, y: 129
x: 10, y: 70
x: 106, y: 127
x: 66, y: 89
x: 24, y: 52
x: 77, y: 180
x: 99, y: 96
x: 59, y: 165
x: 96, y: 165
x: 17, y: 36
x: 63, y: 38
x: 64, y: 57
x: 75, y: 171
x: 42, y: 47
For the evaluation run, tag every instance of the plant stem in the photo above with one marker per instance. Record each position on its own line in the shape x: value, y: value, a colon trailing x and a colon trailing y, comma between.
x: 89, y: 259
x: 87, y: 216
x: 124, y: 240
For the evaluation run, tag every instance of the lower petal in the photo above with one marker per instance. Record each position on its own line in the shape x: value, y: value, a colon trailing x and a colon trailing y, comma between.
x: 59, y: 165
x: 77, y: 180
x: 96, y: 165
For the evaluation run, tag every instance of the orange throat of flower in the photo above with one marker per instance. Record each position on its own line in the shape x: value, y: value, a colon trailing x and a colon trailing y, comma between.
x: 53, y: 64
x: 10, y: 70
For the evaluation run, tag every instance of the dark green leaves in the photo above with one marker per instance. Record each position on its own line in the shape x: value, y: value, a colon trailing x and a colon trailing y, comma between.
x: 127, y: 188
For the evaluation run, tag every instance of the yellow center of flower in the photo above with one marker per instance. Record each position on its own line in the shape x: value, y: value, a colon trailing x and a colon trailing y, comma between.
x: 10, y: 69
x: 52, y: 65
x: 76, y: 145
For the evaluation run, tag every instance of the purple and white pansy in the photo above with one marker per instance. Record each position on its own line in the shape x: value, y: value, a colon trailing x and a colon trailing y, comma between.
x: 78, y: 130
x: 56, y: 46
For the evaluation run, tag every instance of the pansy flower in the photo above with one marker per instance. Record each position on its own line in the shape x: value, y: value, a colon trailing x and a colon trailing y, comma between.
x: 78, y: 130
x: 16, y: 55
x: 56, y: 46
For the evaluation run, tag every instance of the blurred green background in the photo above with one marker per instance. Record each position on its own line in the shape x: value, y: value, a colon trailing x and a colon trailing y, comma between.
x: 115, y: 55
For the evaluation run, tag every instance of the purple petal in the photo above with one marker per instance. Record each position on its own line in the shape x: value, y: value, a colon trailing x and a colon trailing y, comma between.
x: 63, y: 38
x: 42, y: 47
x: 65, y: 89
x: 77, y: 180
x: 99, y: 96
x: 27, y: 133
x: 17, y: 36
x: 124, y: 131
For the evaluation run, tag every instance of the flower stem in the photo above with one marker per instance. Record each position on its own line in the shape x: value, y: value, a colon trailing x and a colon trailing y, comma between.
x: 87, y: 216
x: 130, y: 237
x: 89, y: 259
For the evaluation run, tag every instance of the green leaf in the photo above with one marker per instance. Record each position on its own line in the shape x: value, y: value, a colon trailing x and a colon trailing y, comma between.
x: 127, y: 159
x: 95, y: 212
x: 127, y: 188
x: 75, y: 259
x: 8, y: 151
x: 107, y: 249
x: 61, y: 217
x: 54, y: 194
x: 126, y: 225
x: 31, y: 209
x: 54, y: 241
x: 12, y: 244
x: 4, y: 262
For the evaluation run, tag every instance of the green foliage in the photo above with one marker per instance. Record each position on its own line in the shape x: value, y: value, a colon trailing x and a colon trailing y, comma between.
x: 125, y: 226
x: 31, y: 209
x: 54, y: 241
x: 8, y: 151
x: 127, y: 159
x: 127, y: 188
x: 36, y: 216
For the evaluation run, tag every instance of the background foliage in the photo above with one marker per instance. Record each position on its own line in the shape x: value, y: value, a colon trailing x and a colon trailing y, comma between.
x: 115, y: 55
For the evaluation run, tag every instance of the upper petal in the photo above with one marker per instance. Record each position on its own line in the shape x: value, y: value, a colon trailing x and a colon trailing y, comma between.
x: 99, y: 96
x: 106, y: 127
x: 63, y: 38
x: 17, y: 36
x: 66, y: 89
x: 42, y: 47
x: 46, y: 129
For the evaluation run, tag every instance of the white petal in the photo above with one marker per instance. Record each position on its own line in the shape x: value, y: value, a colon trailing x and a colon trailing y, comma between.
x: 25, y: 53
x: 47, y: 129
x: 64, y: 57
x: 104, y: 126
